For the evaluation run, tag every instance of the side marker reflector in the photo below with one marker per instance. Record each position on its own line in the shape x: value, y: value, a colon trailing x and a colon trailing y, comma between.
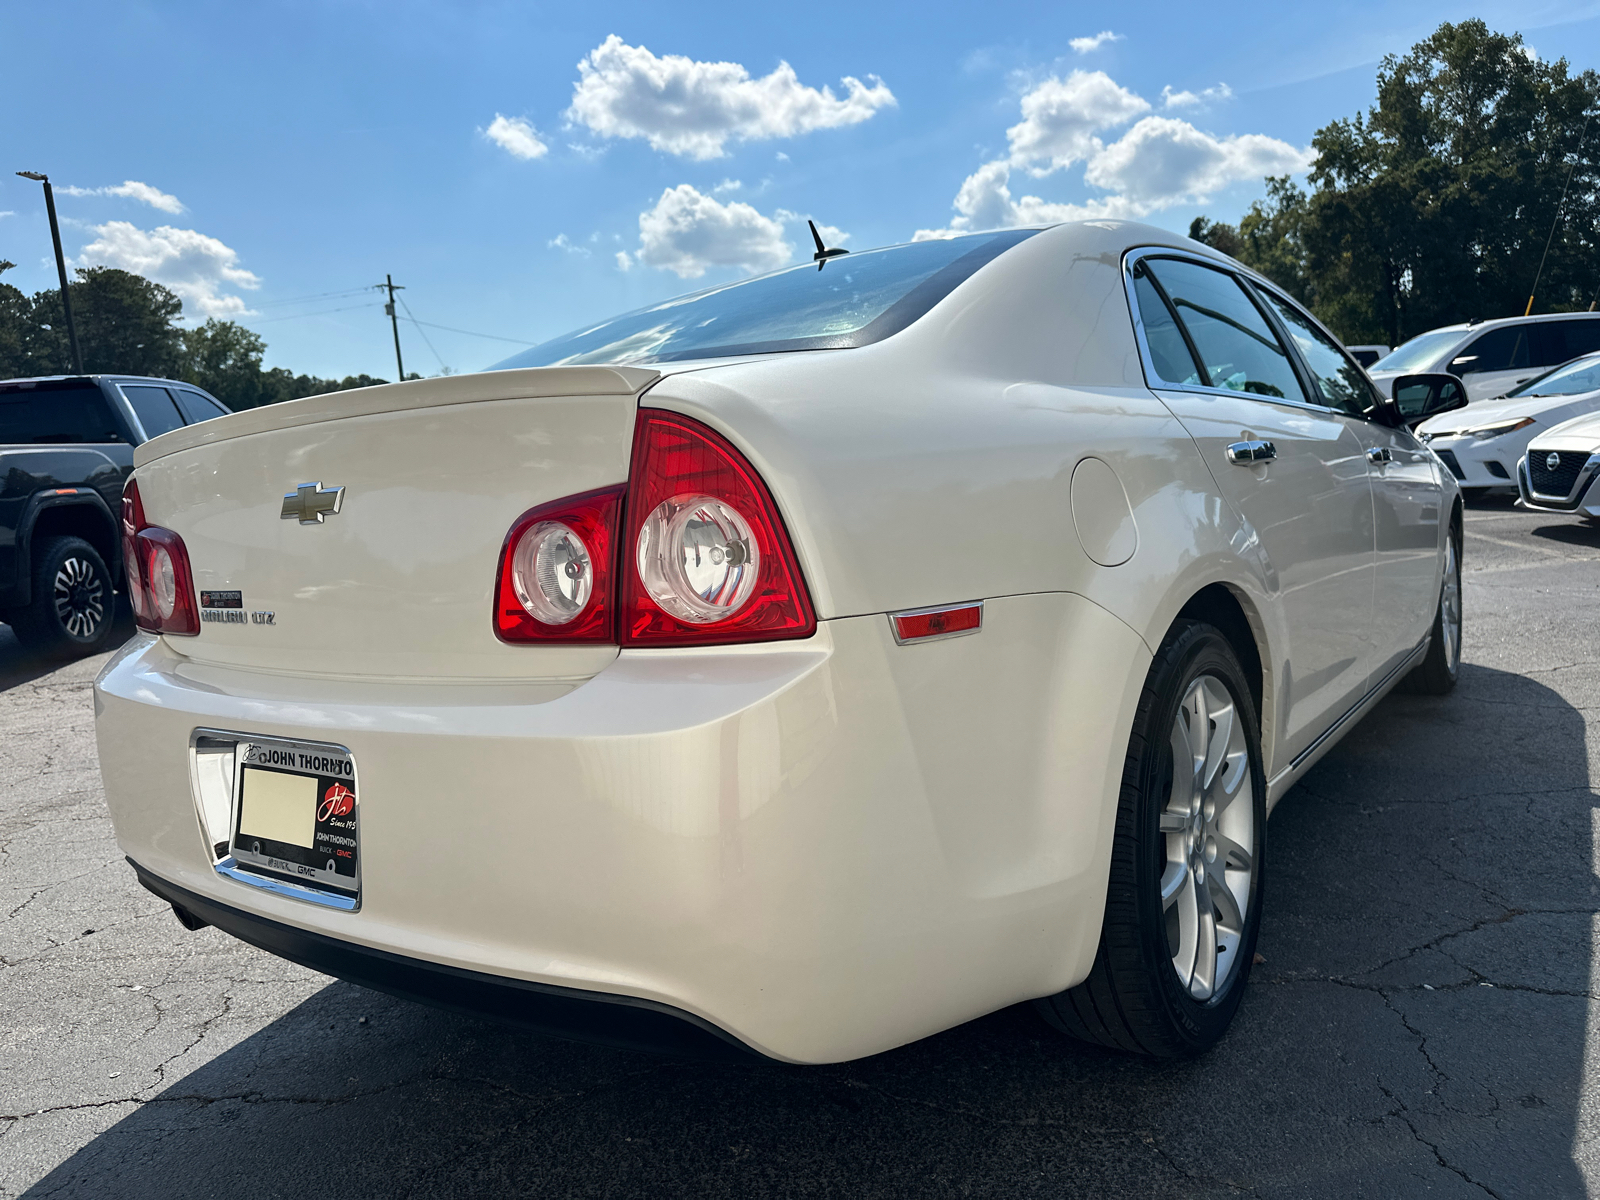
x: 930, y: 624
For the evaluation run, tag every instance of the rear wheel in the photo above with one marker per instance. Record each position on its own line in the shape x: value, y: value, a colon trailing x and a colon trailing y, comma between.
x: 1184, y: 902
x: 1436, y: 674
x: 72, y: 605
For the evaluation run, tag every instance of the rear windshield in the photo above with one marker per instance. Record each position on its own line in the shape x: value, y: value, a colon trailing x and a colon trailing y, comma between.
x: 1420, y: 352
x: 1567, y: 380
x: 46, y: 415
x: 853, y: 300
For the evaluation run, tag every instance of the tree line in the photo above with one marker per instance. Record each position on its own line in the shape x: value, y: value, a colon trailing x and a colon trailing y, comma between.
x: 1435, y: 206
x: 128, y: 325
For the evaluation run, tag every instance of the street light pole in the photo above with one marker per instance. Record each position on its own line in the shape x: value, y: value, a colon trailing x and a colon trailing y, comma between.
x: 61, y: 267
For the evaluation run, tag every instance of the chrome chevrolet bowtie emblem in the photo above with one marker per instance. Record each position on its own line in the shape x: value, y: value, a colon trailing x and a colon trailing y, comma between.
x: 310, y: 502
x: 1552, y: 461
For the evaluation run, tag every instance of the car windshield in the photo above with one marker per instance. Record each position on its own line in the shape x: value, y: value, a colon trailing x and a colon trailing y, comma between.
x: 853, y: 300
x: 1419, y: 353
x: 1580, y: 375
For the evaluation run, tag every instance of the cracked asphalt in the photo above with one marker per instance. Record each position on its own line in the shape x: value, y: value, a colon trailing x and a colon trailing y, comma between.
x: 1424, y: 1023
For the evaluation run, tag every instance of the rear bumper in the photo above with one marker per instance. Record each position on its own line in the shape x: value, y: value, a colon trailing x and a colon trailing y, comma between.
x: 824, y: 848
x: 622, y: 1021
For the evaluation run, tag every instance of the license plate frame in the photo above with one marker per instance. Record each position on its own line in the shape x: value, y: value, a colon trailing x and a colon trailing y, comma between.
x: 306, y: 793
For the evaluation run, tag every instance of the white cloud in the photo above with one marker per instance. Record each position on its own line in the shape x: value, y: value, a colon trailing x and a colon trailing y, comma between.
x: 624, y: 260
x: 1085, y: 45
x: 1061, y: 116
x: 688, y: 233
x: 1172, y: 99
x: 1162, y: 161
x: 985, y: 202
x: 728, y: 185
x: 132, y: 189
x: 693, y: 108
x: 1157, y: 163
x: 8, y: 213
x: 197, y: 267
x: 516, y: 137
x: 562, y: 242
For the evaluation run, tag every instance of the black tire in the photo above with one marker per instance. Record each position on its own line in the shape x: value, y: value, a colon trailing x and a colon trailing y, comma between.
x: 73, y: 607
x: 1437, y: 673
x: 1134, y: 999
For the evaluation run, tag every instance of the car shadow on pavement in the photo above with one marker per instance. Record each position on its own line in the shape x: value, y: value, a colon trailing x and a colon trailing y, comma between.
x: 19, y: 665
x: 1418, y: 1026
x: 1576, y: 532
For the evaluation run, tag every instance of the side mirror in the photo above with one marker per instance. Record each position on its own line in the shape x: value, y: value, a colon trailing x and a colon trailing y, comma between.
x: 1418, y: 397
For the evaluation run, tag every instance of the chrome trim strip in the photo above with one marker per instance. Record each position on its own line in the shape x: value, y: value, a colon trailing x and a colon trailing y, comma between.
x: 229, y: 869
x: 935, y: 637
x: 1403, y: 666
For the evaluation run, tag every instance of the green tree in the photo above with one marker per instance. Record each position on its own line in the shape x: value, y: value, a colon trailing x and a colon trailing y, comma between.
x: 125, y: 326
x: 1434, y: 206
x: 225, y: 358
x: 14, y: 328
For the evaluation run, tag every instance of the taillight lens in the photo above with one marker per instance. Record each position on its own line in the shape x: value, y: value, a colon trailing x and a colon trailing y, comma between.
x: 706, y: 558
x: 556, y: 579
x: 156, y: 566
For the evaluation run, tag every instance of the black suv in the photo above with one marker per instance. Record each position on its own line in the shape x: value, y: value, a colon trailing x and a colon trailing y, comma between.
x: 66, y: 449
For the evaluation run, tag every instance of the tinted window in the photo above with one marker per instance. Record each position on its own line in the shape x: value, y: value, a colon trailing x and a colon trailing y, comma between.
x: 1504, y: 349
x: 1343, y: 385
x: 1577, y: 337
x: 154, y: 408
x: 196, y: 407
x: 1238, y: 349
x: 1168, y: 351
x: 76, y: 413
x: 856, y: 299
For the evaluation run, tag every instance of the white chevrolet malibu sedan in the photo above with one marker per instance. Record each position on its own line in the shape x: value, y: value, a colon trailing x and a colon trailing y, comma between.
x: 796, y: 668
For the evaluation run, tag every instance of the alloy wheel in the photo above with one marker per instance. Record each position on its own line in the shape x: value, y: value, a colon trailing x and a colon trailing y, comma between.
x: 79, y: 598
x: 1208, y: 825
x: 1450, y: 606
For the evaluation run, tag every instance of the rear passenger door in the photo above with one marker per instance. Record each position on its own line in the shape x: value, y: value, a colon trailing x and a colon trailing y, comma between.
x: 1406, y: 492
x: 154, y: 407
x: 1218, y: 363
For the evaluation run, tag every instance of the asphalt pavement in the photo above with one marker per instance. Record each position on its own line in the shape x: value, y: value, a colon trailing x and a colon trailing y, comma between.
x: 1424, y: 1023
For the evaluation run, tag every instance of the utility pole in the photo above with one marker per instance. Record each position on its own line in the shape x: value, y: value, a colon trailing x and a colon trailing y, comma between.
x: 388, y: 282
x: 61, y: 266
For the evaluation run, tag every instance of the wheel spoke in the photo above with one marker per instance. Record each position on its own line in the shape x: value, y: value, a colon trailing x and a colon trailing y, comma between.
x: 1172, y: 881
x: 1217, y: 742
x: 1223, y: 898
x: 1231, y: 853
x: 1204, y: 980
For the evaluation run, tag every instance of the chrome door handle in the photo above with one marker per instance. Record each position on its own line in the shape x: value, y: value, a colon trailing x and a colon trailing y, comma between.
x: 1380, y: 454
x: 1248, y: 454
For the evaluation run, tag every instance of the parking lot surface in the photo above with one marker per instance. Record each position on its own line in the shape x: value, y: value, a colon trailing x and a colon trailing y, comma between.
x: 1423, y: 1023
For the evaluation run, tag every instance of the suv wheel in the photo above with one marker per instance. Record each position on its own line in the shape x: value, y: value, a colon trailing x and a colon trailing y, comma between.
x: 73, y: 607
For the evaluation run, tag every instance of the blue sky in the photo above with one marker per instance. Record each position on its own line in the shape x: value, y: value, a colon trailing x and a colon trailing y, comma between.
x: 288, y: 154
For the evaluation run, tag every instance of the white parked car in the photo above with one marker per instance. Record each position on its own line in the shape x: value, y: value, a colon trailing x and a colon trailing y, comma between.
x: 804, y: 666
x: 1561, y: 470
x: 1494, y: 357
x: 1482, y: 442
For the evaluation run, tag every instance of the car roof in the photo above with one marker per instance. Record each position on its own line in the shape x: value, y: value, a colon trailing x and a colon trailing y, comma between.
x: 95, y: 376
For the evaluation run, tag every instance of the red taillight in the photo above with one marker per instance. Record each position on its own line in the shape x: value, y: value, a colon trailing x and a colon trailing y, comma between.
x: 925, y: 623
x: 705, y: 557
x: 557, y: 572
x: 156, y: 566
x: 696, y: 556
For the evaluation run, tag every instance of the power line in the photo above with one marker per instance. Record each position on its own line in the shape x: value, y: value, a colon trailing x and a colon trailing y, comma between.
x: 321, y: 313
x: 425, y: 338
x: 315, y: 296
x: 1560, y: 204
x: 493, y: 337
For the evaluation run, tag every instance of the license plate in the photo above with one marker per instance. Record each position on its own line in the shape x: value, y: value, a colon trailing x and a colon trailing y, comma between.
x: 295, y: 813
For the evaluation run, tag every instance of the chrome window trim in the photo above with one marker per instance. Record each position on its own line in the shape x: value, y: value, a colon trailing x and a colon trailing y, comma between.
x: 1153, y: 380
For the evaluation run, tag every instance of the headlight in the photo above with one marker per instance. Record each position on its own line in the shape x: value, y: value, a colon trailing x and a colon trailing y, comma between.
x: 1484, y: 432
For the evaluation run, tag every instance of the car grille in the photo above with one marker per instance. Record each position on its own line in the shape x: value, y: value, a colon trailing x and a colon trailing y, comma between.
x: 1556, y: 483
x: 1448, y: 458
